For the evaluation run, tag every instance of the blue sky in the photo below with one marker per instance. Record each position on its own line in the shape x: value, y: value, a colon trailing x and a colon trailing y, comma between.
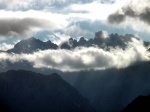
x: 59, y: 20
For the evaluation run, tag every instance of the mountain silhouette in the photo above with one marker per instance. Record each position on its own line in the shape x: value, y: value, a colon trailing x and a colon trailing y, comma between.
x: 140, y: 104
x: 26, y: 91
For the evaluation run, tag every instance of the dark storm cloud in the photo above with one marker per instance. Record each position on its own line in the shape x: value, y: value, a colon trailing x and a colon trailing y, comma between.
x: 116, y: 18
x: 12, y: 26
x: 143, y: 15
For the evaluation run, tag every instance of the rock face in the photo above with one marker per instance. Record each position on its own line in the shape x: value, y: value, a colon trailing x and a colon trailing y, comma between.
x: 140, y: 104
x: 31, y: 45
x: 101, y: 39
x: 25, y: 91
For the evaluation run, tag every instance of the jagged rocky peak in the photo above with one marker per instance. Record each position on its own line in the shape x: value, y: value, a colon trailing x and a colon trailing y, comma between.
x: 28, y: 41
x: 82, y: 39
x: 48, y: 41
x: 31, y: 45
x: 32, y: 38
x: 70, y: 39
x: 101, y: 39
x: 128, y: 37
x: 101, y: 35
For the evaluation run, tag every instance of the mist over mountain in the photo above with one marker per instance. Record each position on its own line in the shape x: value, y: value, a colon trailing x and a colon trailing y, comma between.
x: 101, y: 40
x: 26, y: 91
x: 111, y: 90
x: 101, y: 52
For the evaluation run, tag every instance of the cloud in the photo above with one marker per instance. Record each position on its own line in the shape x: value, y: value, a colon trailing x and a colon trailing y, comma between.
x: 57, y: 38
x: 82, y: 58
x: 116, y: 18
x: 75, y: 31
x: 15, y: 26
x: 12, y: 4
x: 29, y: 22
x: 61, y: 15
x: 38, y: 5
x: 133, y: 10
x: 5, y: 47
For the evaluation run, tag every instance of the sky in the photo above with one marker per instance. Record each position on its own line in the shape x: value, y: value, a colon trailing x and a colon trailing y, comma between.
x: 59, y: 20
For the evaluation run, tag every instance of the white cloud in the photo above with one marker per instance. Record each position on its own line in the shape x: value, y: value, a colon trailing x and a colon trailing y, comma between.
x: 59, y: 19
x: 75, y: 31
x: 83, y: 58
x: 135, y: 15
x: 30, y: 21
x: 5, y: 47
x: 57, y: 38
x: 96, y: 10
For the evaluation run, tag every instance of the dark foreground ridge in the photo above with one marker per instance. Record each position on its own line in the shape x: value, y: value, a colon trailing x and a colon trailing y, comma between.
x: 26, y: 91
x: 140, y: 104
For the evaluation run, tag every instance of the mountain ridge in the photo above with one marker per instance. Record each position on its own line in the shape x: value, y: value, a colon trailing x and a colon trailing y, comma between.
x: 31, y: 45
x: 101, y: 40
x: 26, y: 91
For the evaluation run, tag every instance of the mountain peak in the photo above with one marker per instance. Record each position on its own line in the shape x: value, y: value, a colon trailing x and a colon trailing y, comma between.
x: 33, y: 92
x: 55, y: 76
x: 31, y: 45
x: 101, y: 34
x: 101, y: 39
x: 32, y: 38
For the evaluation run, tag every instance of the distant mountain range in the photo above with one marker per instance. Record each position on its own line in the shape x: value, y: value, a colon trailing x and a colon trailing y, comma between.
x: 32, y: 44
x: 26, y: 91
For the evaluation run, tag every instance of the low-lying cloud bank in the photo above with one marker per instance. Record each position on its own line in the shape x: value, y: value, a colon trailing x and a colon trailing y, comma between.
x: 82, y: 58
x: 5, y: 46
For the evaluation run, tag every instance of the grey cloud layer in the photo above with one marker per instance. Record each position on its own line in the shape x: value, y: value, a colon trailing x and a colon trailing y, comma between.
x: 43, y: 4
x: 15, y: 26
x: 82, y: 58
x: 130, y: 11
x: 36, y: 4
